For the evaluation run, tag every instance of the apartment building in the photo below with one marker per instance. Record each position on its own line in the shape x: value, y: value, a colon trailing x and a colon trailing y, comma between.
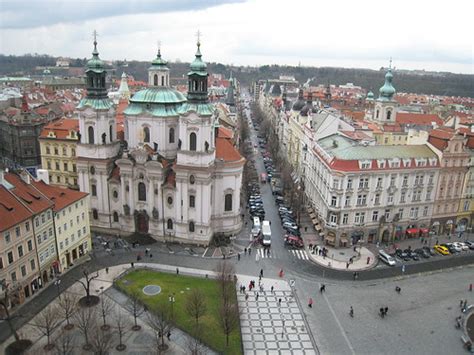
x: 370, y: 193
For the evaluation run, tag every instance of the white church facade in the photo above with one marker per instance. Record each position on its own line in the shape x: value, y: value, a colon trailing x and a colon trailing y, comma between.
x: 177, y: 179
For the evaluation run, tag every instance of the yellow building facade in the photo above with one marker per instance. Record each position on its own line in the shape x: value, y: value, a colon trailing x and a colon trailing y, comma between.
x: 58, y: 141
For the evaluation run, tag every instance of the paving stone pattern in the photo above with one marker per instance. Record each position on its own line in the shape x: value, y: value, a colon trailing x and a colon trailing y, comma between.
x: 270, y: 328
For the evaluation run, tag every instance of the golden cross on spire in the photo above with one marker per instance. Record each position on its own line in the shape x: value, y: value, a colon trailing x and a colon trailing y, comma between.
x: 198, y: 35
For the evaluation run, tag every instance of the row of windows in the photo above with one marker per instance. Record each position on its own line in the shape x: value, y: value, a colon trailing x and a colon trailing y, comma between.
x: 64, y: 151
x: 359, y: 217
x: 23, y: 270
x: 38, y: 220
x: 147, y: 137
x: 57, y: 166
x: 91, y: 137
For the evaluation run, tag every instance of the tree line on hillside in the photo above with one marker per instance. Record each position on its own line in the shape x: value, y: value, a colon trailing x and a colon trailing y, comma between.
x: 414, y: 82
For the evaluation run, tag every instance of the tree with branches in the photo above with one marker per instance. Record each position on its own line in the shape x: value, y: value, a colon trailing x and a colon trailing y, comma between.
x: 68, y: 306
x: 46, y: 323
x: 85, y: 318
x: 122, y: 327
x: 229, y: 317
x: 106, y: 305
x: 101, y: 342
x: 196, y: 306
x: 5, y: 305
x: 89, y: 300
x: 160, y: 321
x: 64, y: 343
x: 135, y: 307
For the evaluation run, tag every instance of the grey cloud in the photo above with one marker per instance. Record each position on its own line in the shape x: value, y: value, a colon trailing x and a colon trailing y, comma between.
x: 15, y: 14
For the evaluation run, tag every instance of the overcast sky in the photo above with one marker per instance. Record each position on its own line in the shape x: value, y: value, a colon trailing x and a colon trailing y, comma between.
x: 431, y: 35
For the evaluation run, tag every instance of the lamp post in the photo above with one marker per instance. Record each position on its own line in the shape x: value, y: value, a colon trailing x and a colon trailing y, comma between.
x: 57, y: 283
x: 171, y: 300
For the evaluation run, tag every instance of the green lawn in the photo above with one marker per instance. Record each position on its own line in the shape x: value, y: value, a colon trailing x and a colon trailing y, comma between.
x: 180, y: 285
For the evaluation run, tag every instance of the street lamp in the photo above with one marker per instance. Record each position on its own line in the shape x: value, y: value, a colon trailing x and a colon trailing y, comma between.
x: 171, y: 300
x: 57, y: 283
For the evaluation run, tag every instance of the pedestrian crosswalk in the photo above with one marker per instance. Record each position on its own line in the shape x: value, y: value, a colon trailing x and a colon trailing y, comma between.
x: 270, y: 254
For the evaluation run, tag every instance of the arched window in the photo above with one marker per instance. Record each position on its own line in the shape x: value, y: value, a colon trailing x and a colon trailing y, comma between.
x: 111, y: 131
x: 95, y: 214
x: 377, y: 114
x: 171, y: 135
x: 90, y: 132
x: 94, y: 190
x: 192, y: 141
x: 191, y: 226
x: 169, y: 224
x: 228, y: 202
x: 192, y: 201
x: 146, y: 134
x: 389, y: 114
x: 115, y: 194
x: 116, y: 217
x: 155, y: 80
x: 141, y: 191
x: 162, y: 81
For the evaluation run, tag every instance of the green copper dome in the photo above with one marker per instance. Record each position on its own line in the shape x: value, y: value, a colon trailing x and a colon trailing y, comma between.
x: 158, y: 95
x: 159, y: 62
x: 370, y: 95
x: 95, y: 64
x: 198, y: 67
x: 387, y: 90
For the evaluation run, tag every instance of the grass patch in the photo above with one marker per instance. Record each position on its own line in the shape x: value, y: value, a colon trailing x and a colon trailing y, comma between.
x: 180, y: 286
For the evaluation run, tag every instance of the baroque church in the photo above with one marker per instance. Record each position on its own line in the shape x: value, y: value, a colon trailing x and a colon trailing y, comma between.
x: 175, y: 177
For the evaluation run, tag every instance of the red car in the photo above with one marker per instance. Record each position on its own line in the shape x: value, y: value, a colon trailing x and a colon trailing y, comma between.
x: 294, y: 241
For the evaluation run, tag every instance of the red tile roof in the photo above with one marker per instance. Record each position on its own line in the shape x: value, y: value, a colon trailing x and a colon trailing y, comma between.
x: 423, y: 119
x: 27, y: 194
x: 61, y: 128
x: 225, y: 133
x: 443, y: 133
x: 226, y: 151
x: 12, y: 210
x: 62, y: 197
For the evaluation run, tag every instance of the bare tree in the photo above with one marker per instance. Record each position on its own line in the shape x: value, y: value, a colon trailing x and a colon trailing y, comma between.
x: 161, y: 323
x: 64, y: 343
x: 106, y: 306
x: 196, y: 305
x: 225, y: 278
x: 86, y: 284
x: 229, y: 318
x: 68, y: 306
x: 135, y: 307
x: 85, y: 318
x: 101, y: 341
x: 46, y: 322
x: 5, y: 304
x: 194, y: 345
x: 122, y: 326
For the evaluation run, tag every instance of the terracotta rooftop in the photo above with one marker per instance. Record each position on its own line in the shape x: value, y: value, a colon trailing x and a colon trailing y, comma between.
x: 61, y: 128
x: 424, y: 119
x: 443, y: 133
x: 61, y: 197
x: 12, y: 210
x: 225, y: 133
x: 226, y: 151
x: 27, y: 194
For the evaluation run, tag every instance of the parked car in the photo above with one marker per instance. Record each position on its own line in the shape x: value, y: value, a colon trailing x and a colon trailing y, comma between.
x: 292, y: 231
x: 429, y: 251
x: 443, y: 250
x: 422, y: 252
x: 470, y: 244
x: 461, y: 245
x: 402, y: 255
x: 453, y: 249
x: 294, y: 241
x: 290, y: 224
x: 414, y: 255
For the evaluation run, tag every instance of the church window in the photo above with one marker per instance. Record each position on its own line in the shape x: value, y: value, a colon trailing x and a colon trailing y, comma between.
x: 48, y: 150
x: 116, y: 217
x: 90, y: 132
x: 389, y: 114
x: 92, y: 170
x: 146, y: 134
x: 192, y: 141
x: 115, y: 194
x: 94, y: 190
x: 377, y: 114
x: 192, y: 201
x: 64, y: 151
x: 169, y: 224
x: 155, y: 80
x: 228, y: 202
x: 192, y: 179
x: 111, y: 131
x: 162, y: 81
x: 141, y: 191
x: 191, y: 226
x: 170, y: 200
x: 171, y: 135
x: 95, y: 214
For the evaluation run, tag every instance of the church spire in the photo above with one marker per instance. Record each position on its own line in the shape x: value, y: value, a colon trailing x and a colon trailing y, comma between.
x: 95, y: 72
x: 197, y: 77
x: 387, y: 90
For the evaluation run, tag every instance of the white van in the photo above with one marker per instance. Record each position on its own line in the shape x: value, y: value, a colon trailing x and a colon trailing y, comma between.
x: 387, y: 259
x: 256, y: 227
x: 267, y: 233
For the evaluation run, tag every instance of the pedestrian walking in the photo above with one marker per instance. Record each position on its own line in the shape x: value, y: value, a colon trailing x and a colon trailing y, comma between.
x: 382, y: 314
x: 322, y: 288
x: 280, y: 273
x: 256, y: 297
x: 238, y: 256
x: 385, y: 310
x: 177, y: 271
x: 347, y: 265
x: 261, y: 273
x: 245, y: 251
x: 279, y: 302
x: 470, y: 287
x: 464, y: 305
x: 250, y: 251
x: 271, y: 289
x: 351, y: 312
x: 461, y: 302
x: 168, y: 335
x: 310, y: 303
x: 106, y: 270
x: 246, y: 296
x: 151, y: 255
x: 131, y: 264
x: 368, y: 260
x: 354, y: 275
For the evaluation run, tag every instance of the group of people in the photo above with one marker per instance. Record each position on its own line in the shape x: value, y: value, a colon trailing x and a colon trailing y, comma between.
x: 318, y: 250
x: 383, y: 311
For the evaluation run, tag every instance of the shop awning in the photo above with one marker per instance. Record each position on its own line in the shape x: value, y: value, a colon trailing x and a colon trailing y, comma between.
x: 424, y: 230
x: 318, y: 227
x: 330, y: 238
x: 413, y: 231
x: 344, y: 240
x: 312, y: 215
x: 315, y: 221
x: 310, y: 210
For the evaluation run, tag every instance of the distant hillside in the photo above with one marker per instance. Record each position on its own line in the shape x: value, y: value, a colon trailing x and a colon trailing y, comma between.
x: 404, y: 81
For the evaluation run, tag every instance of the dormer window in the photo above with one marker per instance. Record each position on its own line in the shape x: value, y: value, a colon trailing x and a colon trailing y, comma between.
x: 381, y: 164
x: 366, y: 164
